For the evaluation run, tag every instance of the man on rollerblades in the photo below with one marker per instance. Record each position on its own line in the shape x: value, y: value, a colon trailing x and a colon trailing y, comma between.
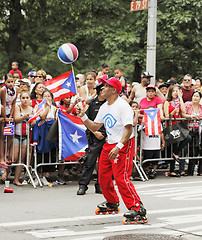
x: 117, y: 155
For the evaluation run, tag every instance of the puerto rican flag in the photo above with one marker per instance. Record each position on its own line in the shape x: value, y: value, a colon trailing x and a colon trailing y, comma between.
x: 9, y: 129
x: 62, y: 86
x: 72, y: 137
x: 152, y: 121
x: 40, y: 108
x: 177, y: 102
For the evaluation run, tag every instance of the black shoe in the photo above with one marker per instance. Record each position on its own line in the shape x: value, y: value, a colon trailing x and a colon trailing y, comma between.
x: 81, y: 191
x: 98, y: 189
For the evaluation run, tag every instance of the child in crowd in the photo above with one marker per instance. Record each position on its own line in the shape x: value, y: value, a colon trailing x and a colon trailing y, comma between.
x: 21, y: 115
x: 9, y: 95
x: 118, y: 72
x: 88, y: 92
x: 40, y: 130
x: 16, y: 76
x: 2, y: 118
x: 14, y: 67
x: 151, y: 145
x: 65, y: 105
x: 163, y: 88
x: 103, y: 73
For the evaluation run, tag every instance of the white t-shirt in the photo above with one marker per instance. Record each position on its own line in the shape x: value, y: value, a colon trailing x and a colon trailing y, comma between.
x: 151, y: 142
x: 115, y: 117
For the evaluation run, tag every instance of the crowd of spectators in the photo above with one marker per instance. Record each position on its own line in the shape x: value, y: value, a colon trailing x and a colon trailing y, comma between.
x: 19, y: 98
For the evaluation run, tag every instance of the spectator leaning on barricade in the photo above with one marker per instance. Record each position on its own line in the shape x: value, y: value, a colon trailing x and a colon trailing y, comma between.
x: 96, y: 140
x: 194, y: 109
x: 14, y: 67
x: 174, y: 106
x: 186, y: 90
x: 40, y: 130
x: 21, y: 115
x: 2, y: 119
x: 87, y: 92
x: 36, y: 94
x: 156, y: 102
x: 9, y: 95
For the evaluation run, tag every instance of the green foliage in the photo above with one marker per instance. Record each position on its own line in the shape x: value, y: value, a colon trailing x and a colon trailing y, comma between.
x: 103, y: 31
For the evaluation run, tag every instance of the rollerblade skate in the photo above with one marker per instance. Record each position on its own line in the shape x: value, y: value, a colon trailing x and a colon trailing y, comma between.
x: 106, y: 207
x: 133, y: 216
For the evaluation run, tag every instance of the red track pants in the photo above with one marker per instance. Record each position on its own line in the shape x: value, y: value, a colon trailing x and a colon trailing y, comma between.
x: 121, y: 169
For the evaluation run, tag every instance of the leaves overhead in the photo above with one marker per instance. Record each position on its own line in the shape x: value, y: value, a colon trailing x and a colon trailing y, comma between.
x: 103, y: 31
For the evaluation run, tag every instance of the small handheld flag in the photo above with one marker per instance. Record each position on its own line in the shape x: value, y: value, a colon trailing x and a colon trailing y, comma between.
x: 41, y: 106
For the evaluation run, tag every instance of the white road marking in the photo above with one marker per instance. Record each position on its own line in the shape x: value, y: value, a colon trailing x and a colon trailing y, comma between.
x: 182, y: 219
x: 67, y: 233
x: 84, y: 218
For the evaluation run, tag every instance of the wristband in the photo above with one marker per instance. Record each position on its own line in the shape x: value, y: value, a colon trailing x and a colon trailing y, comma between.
x: 84, y: 118
x: 119, y: 145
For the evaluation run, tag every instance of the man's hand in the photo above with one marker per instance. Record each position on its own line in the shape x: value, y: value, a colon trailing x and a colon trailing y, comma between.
x: 114, y: 152
x: 80, y: 112
x: 99, y: 135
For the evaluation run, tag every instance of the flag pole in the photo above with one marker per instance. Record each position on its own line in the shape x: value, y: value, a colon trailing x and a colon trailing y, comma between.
x: 74, y: 77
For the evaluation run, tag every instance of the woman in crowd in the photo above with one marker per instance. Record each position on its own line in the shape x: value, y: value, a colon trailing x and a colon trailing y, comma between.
x: 21, y: 115
x: 40, y: 130
x: 88, y: 92
x: 36, y: 94
x: 174, y: 106
x: 194, y: 109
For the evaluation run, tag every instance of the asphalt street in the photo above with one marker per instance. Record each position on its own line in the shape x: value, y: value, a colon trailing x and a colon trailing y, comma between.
x: 174, y: 209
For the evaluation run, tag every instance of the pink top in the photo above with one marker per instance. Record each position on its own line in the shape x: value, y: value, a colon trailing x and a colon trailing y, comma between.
x: 190, y: 111
x: 144, y: 103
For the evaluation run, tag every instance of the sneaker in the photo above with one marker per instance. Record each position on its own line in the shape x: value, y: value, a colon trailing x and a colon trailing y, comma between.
x: 60, y: 180
x: 44, y: 181
x: 24, y: 182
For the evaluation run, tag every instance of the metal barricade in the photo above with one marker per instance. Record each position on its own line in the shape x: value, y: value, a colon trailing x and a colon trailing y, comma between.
x: 190, y: 154
x: 11, y: 153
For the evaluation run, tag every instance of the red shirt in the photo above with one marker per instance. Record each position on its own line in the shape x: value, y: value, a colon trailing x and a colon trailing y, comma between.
x: 18, y: 71
x: 186, y: 96
x: 144, y: 103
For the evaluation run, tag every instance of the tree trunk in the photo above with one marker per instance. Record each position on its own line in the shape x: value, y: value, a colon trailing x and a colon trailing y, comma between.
x: 14, y: 44
x: 137, y: 72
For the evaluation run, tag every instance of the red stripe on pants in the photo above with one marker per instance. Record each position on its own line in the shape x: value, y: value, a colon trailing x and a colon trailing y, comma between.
x: 121, y: 169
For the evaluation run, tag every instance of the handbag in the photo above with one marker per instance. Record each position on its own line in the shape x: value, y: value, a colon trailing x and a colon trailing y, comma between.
x: 52, y: 135
x: 175, y: 133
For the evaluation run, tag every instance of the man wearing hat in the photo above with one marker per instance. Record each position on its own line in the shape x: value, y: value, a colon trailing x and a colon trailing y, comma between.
x: 139, y: 91
x: 117, y: 154
x: 96, y: 140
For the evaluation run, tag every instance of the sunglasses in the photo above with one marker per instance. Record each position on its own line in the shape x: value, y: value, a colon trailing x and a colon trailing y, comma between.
x: 39, y: 76
x: 187, y: 80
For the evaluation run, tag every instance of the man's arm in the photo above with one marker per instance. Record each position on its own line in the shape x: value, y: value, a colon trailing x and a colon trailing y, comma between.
x: 132, y: 94
x: 126, y: 135
x: 92, y: 126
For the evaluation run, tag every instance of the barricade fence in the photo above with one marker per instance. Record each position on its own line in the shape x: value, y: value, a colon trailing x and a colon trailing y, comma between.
x: 191, y: 151
x: 22, y: 152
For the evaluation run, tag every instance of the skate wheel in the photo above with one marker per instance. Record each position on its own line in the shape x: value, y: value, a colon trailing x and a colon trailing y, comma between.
x: 104, y: 213
x: 97, y: 211
x: 125, y: 221
x: 110, y: 211
x: 138, y: 220
x: 132, y: 222
x: 118, y: 210
x: 145, y: 220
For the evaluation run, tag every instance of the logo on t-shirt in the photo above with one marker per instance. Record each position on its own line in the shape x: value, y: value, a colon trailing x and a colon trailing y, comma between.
x: 109, y: 122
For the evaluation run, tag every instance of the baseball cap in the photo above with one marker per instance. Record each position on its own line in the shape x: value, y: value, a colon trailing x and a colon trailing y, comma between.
x: 146, y: 75
x: 25, y: 80
x: 151, y: 86
x: 114, y: 82
x: 162, y: 85
x: 32, y: 73
x: 170, y: 81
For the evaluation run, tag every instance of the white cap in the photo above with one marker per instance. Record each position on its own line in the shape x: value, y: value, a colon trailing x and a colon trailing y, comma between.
x: 25, y: 80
